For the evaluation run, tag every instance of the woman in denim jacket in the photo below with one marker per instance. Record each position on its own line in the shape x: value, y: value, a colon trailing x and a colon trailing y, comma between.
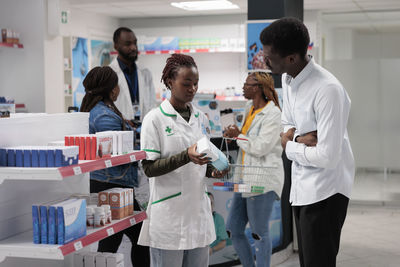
x: 101, y: 87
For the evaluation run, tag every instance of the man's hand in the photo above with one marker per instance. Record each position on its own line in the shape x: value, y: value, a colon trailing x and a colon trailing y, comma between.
x: 195, y: 157
x: 309, y: 139
x: 286, y: 137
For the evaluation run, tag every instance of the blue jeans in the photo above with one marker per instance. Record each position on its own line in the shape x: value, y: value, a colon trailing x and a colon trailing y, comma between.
x: 257, y: 211
x: 197, y: 257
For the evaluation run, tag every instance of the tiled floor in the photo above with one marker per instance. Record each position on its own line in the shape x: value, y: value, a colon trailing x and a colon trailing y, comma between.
x: 370, y: 238
x: 371, y: 233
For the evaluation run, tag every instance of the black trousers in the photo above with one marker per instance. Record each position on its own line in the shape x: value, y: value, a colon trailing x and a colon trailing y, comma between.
x: 318, y: 228
x: 140, y: 255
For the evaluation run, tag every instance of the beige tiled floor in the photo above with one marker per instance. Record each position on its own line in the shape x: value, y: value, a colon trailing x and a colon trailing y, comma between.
x: 371, y: 233
x: 370, y: 238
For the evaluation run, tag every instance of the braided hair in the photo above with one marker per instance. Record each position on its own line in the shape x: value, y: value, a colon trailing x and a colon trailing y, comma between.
x: 99, y: 83
x: 174, y: 63
x: 266, y: 83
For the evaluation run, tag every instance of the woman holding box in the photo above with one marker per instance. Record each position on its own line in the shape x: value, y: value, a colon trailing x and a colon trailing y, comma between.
x: 101, y: 87
x: 261, y: 129
x: 180, y: 226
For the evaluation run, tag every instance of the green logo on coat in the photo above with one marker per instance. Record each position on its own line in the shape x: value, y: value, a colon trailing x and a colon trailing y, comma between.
x: 168, y: 130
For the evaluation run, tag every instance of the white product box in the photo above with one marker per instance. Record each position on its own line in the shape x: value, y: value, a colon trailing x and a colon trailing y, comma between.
x: 114, y: 259
x: 114, y: 141
x: 205, y: 146
x: 104, y: 145
x: 218, y: 159
x: 79, y: 259
x: 101, y: 260
x: 71, y: 220
x: 90, y: 259
x: 125, y: 142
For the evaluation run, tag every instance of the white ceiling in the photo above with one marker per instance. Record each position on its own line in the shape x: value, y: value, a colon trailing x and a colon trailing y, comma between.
x: 162, y: 8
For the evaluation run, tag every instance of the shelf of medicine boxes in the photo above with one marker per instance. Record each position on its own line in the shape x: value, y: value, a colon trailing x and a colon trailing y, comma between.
x: 190, y: 51
x: 22, y: 246
x: 55, y: 174
x: 11, y: 45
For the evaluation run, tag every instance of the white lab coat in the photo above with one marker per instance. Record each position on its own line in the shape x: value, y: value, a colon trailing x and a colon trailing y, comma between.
x: 147, y: 93
x: 179, y: 211
x: 263, y: 147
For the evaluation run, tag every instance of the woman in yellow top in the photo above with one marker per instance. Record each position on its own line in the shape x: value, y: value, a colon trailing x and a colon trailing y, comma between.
x: 261, y: 130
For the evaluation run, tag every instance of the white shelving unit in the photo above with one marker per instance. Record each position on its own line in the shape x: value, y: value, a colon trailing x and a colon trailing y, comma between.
x: 57, y: 174
x: 12, y: 45
x: 22, y: 187
x: 190, y: 51
x: 21, y: 245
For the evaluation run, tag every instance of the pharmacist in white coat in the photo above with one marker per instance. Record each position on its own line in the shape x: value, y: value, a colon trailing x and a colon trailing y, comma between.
x: 180, y: 226
x: 137, y: 94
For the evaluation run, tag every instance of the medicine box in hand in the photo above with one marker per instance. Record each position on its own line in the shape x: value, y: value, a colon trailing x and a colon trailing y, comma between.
x: 217, y: 158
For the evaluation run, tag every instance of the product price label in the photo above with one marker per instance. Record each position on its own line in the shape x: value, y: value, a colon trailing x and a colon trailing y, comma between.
x: 110, y: 231
x: 108, y: 163
x: 78, y: 245
x: 133, y: 158
x: 77, y: 170
x: 132, y: 221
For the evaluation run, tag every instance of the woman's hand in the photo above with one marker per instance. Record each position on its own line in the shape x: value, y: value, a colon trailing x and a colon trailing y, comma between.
x: 219, y: 174
x: 231, y: 131
x: 195, y: 157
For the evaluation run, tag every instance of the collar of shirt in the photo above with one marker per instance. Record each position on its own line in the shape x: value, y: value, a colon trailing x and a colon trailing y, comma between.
x: 294, y: 82
x: 125, y: 68
x: 168, y: 110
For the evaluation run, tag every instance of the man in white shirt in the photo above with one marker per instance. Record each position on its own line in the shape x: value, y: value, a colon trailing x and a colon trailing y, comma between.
x: 315, y: 114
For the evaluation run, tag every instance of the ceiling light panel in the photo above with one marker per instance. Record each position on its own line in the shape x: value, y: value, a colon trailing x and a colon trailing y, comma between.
x: 205, y: 5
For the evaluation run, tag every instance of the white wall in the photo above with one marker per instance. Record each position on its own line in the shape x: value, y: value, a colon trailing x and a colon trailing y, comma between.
x: 80, y: 24
x: 21, y: 70
x: 376, y: 45
x: 86, y: 24
x: 366, y: 61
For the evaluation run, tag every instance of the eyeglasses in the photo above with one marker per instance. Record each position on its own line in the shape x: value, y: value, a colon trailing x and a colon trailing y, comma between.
x: 250, y: 84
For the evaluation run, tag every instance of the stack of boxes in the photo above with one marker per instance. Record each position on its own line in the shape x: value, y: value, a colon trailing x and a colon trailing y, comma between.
x: 60, y: 222
x: 120, y: 200
x: 102, y: 144
x: 237, y: 187
x: 38, y: 156
x: 9, y: 36
x: 98, y: 259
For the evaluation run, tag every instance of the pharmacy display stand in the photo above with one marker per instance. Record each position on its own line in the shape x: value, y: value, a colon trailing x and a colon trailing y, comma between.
x: 22, y: 187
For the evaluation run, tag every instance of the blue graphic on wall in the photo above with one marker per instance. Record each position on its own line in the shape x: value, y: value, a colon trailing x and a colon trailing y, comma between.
x: 80, y: 65
x: 101, y: 53
x: 255, y: 57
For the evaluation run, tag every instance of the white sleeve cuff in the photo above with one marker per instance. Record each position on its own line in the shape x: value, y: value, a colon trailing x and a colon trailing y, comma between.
x: 295, y: 152
x: 240, y: 142
x: 152, y: 155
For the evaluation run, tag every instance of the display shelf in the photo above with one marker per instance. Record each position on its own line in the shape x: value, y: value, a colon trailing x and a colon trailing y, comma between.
x: 22, y: 246
x: 230, y: 98
x: 11, y: 45
x: 190, y: 51
x: 56, y: 174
